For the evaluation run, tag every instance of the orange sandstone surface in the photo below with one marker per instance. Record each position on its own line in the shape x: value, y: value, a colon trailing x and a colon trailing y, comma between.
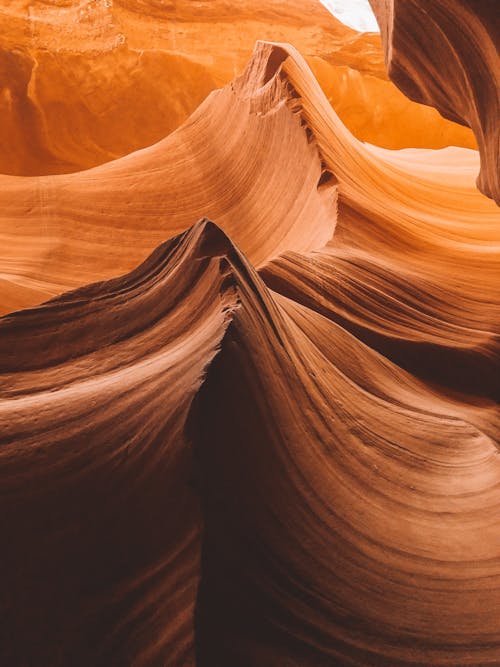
x: 458, y: 71
x: 85, y: 82
x: 249, y: 373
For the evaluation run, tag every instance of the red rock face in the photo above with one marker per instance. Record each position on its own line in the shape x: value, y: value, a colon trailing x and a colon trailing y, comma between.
x: 446, y: 54
x: 256, y: 423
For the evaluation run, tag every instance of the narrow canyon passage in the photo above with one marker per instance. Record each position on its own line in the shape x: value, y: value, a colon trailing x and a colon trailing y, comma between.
x: 249, y: 335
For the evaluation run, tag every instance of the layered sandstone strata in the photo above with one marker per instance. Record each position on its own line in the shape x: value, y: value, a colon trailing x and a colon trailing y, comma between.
x: 446, y: 54
x: 273, y: 439
x: 85, y: 82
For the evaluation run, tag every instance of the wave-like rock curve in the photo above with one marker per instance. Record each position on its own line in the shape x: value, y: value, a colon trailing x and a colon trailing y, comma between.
x: 445, y: 54
x: 100, y: 525
x: 275, y: 442
x: 296, y: 507
x: 271, y: 185
x: 244, y: 158
x: 78, y: 78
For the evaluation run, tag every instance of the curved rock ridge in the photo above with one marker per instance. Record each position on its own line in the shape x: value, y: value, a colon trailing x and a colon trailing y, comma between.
x: 263, y: 157
x: 100, y: 526
x: 437, y: 317
x: 195, y: 471
x: 274, y: 440
x: 446, y: 331
x: 361, y: 527
x: 245, y: 158
x: 79, y: 78
x: 446, y: 55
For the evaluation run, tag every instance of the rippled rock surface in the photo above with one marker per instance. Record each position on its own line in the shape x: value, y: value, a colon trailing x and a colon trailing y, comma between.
x: 83, y: 82
x: 249, y: 394
x: 446, y: 54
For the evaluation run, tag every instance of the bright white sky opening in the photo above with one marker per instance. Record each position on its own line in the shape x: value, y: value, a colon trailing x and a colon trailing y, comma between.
x: 356, y: 14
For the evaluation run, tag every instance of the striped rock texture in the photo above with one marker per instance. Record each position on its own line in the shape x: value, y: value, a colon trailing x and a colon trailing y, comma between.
x: 446, y: 54
x: 83, y: 82
x: 249, y: 394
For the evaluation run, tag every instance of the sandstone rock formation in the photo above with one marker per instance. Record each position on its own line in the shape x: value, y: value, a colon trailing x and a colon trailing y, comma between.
x: 79, y: 78
x: 446, y: 54
x: 275, y: 439
x: 274, y: 143
x: 244, y: 158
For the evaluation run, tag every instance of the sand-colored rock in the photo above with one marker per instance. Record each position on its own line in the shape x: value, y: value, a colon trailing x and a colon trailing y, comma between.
x: 82, y: 83
x: 256, y: 424
x: 101, y: 536
x: 361, y: 527
x: 459, y: 74
x: 338, y: 499
x: 275, y: 441
x: 261, y: 157
x: 244, y: 158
